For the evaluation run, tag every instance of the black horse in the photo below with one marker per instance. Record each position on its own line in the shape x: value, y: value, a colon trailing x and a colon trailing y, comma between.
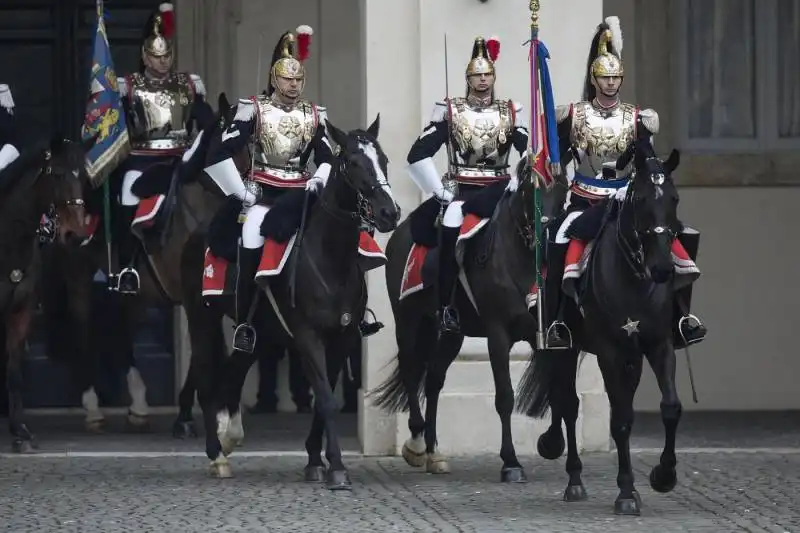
x: 624, y: 310
x: 316, y: 302
x: 46, y: 181
x: 72, y: 336
x: 499, y: 270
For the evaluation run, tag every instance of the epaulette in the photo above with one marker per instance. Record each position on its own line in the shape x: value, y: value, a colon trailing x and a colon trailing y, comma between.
x: 199, y: 86
x: 245, y: 111
x: 6, y: 100
x: 650, y: 120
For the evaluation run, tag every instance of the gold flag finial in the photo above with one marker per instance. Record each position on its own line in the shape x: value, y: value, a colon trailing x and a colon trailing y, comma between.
x: 534, y: 7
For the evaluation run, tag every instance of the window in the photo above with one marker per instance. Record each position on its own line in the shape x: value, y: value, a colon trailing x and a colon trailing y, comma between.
x: 738, y: 76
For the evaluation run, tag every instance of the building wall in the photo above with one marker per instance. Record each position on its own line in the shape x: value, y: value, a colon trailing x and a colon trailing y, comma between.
x: 745, y: 295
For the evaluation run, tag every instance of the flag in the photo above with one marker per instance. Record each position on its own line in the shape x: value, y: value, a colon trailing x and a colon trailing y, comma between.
x: 544, y: 133
x: 105, y: 115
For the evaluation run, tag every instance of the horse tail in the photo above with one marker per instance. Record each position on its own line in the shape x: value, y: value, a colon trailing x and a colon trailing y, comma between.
x: 392, y: 396
x: 538, y: 382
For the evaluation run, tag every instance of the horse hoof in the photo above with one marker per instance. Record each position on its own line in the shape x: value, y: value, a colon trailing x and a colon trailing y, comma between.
x: 550, y: 447
x: 663, y: 479
x: 513, y: 474
x: 23, y: 446
x: 575, y: 493
x: 220, y: 469
x: 437, y: 464
x: 414, y: 458
x: 137, y: 424
x: 628, y: 506
x: 184, y: 429
x: 95, y: 426
x: 339, y: 480
x: 315, y: 474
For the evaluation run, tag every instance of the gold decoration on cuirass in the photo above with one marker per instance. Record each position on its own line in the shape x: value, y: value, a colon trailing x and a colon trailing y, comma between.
x: 165, y: 105
x: 480, y: 131
x: 284, y: 133
x: 600, y: 133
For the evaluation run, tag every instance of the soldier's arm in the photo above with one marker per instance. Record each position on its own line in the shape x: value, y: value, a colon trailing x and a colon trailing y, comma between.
x: 230, y: 143
x: 420, y: 158
x: 201, y: 113
x: 647, y: 124
x: 564, y: 127
x: 8, y: 131
x: 519, y: 137
x: 323, y: 151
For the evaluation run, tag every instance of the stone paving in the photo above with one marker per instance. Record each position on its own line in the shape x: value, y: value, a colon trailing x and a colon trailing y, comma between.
x: 752, y: 485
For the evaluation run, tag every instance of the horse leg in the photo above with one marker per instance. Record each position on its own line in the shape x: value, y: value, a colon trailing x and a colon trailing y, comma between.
x: 663, y: 476
x: 499, y: 344
x: 336, y: 357
x: 314, y: 353
x: 229, y: 415
x: 184, y: 426
x: 17, y: 328
x: 621, y: 373
x: 137, y: 420
x: 568, y: 402
x: 413, y: 352
x: 448, y: 347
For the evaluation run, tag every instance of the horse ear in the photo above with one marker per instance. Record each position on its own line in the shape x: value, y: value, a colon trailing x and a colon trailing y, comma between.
x: 672, y: 161
x: 375, y: 126
x: 338, y: 136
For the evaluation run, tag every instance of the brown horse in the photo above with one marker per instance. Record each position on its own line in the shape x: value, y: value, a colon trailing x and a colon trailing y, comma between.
x: 40, y: 182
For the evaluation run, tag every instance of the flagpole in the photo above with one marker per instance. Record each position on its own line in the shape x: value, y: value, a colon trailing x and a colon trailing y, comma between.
x: 106, y: 185
x: 534, y: 143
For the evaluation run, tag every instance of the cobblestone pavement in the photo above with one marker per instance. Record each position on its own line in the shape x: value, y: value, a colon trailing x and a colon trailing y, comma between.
x: 753, y: 489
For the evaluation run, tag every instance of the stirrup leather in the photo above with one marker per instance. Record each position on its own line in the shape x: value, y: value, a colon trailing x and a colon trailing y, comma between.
x: 370, y: 328
x: 554, y: 327
x: 682, y: 321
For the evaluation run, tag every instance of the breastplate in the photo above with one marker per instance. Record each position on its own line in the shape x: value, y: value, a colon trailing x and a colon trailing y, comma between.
x: 601, y: 136
x: 161, y: 108
x: 284, y: 134
x: 480, y: 135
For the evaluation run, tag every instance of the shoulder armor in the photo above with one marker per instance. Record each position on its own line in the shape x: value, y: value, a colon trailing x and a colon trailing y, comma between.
x: 245, y: 110
x: 199, y: 86
x: 439, y: 111
x: 649, y: 119
x: 563, y: 112
x: 122, y: 85
x: 6, y: 101
x: 518, y: 107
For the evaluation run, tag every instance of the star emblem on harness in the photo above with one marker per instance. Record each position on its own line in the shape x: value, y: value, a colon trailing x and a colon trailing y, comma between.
x: 631, y: 327
x: 209, y: 271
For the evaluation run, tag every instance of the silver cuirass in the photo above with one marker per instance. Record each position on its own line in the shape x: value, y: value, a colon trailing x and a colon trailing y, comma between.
x: 478, y: 139
x: 600, y: 135
x: 283, y: 135
x: 161, y: 110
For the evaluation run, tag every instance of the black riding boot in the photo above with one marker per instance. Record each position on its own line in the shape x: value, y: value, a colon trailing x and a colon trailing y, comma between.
x: 688, y: 329
x: 127, y: 246
x: 244, y: 337
x: 448, y: 274
x: 558, y: 334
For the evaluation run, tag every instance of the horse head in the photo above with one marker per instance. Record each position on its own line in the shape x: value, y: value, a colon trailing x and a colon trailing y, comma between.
x: 651, y: 207
x: 64, y: 172
x: 364, y: 167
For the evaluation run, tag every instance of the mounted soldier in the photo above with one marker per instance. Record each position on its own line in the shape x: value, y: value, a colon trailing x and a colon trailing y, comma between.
x: 593, y: 133
x: 281, y: 129
x: 479, y: 130
x: 165, y: 110
x: 9, y: 144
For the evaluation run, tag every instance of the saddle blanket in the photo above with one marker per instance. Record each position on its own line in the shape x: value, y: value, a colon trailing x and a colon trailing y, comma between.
x: 578, y: 256
x: 412, y: 274
x: 146, y: 211
x: 219, y: 278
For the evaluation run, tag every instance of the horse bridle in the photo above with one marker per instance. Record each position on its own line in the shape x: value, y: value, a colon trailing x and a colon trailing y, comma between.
x: 634, y: 252
x: 48, y: 226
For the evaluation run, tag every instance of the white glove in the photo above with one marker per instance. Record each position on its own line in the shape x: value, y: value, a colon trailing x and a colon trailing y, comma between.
x: 315, y: 184
x: 513, y: 184
x: 621, y: 193
x: 444, y: 195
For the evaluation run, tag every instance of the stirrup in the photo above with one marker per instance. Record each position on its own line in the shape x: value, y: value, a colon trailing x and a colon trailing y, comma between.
x: 553, y: 328
x: 126, y: 274
x: 448, y: 320
x: 244, y: 338
x: 687, y: 318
